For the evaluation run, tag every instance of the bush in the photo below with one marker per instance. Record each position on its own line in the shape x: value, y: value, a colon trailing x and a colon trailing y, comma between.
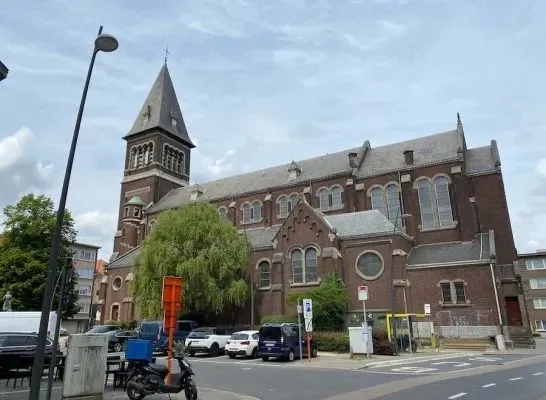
x: 278, y: 319
x: 381, y: 344
x: 337, y: 342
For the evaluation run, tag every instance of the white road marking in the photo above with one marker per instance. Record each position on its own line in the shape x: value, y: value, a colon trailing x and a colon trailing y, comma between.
x: 489, y: 359
x: 516, y: 379
x: 456, y: 363
x: 488, y: 385
x: 538, y: 373
x: 414, y: 370
x: 456, y: 396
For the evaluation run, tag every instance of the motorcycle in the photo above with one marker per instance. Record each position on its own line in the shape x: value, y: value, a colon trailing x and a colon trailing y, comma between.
x: 146, y: 379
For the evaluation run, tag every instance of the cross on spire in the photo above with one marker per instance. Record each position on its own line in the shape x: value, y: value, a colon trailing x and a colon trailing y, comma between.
x: 167, y: 52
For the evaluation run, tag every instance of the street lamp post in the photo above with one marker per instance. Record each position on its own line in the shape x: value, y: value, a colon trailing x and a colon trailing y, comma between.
x: 393, y: 318
x: 107, y: 44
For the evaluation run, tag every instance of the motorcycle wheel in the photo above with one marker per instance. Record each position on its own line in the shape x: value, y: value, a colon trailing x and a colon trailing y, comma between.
x: 132, y: 392
x: 191, y: 391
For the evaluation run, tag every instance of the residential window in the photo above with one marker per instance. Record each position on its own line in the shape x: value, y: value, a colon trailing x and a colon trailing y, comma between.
x: 136, y: 212
x: 304, y: 266
x: 85, y: 273
x: 85, y: 255
x: 388, y: 202
x: 538, y: 283
x: 84, y: 308
x: 539, y: 304
x: 126, y: 212
x: 265, y: 274
x: 282, y: 207
x: 540, y: 325
x: 453, y: 292
x: 84, y: 291
x: 292, y: 202
x: 324, y: 199
x: 435, y: 203
x: 336, y: 198
x: 535, y: 263
x: 252, y: 212
x: 222, y: 212
x: 330, y: 199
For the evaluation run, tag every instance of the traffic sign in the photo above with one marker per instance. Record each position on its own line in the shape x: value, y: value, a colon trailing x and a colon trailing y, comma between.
x: 427, y: 309
x: 363, y: 293
x: 307, y: 308
x: 308, y: 325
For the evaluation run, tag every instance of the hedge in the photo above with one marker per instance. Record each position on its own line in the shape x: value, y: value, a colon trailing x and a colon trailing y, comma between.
x: 278, y: 319
x: 338, y: 342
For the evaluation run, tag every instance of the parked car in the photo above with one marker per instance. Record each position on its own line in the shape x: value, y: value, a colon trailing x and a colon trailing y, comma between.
x: 153, y: 330
x: 117, y: 339
x: 17, y: 350
x: 282, y: 341
x: 103, y: 329
x: 244, y: 343
x: 208, y: 340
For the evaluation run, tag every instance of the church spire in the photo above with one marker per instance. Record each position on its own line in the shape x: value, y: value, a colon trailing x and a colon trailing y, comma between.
x: 162, y: 111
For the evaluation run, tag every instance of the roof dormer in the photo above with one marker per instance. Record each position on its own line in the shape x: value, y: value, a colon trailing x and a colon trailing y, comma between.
x: 294, y: 170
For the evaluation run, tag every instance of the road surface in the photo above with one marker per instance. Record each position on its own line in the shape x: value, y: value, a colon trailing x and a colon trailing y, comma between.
x: 520, y: 383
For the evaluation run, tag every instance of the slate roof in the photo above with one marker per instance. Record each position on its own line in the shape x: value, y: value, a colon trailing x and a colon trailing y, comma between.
x: 480, y: 160
x: 126, y: 260
x: 441, y: 147
x: 261, y: 238
x: 161, y: 106
x: 361, y: 223
x: 3, y: 71
x: 476, y: 251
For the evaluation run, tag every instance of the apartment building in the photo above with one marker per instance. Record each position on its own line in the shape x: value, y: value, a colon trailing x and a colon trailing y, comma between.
x: 533, y: 276
x: 85, y: 258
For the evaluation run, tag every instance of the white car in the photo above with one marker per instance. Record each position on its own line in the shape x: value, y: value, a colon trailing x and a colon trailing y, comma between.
x: 207, y: 340
x: 244, y: 343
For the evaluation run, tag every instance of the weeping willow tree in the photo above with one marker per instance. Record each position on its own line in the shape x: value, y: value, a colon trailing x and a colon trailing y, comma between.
x: 201, y: 247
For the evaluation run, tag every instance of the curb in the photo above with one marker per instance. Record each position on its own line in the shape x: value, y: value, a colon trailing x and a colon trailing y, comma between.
x: 205, y: 393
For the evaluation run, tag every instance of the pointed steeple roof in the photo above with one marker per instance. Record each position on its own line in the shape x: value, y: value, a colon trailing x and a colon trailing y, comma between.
x: 161, y: 110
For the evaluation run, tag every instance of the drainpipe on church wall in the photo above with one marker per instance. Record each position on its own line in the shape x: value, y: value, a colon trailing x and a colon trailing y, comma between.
x: 494, y: 280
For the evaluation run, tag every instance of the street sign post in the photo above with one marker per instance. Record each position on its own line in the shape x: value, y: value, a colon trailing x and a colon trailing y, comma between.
x: 363, y: 296
x: 308, y: 317
x: 171, y: 299
x: 300, y: 309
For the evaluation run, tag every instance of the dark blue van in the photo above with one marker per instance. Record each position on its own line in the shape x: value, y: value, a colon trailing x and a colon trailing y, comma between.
x: 153, y: 330
x: 282, y: 341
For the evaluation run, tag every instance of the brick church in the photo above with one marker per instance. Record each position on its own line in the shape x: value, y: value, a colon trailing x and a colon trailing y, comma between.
x: 428, y: 216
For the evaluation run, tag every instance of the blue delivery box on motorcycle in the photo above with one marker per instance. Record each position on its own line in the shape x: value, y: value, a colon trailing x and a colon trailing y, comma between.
x: 139, y: 350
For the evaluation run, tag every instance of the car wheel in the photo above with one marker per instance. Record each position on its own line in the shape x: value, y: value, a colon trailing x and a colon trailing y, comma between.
x: 265, y: 358
x: 314, y: 352
x: 214, y: 350
x: 254, y: 353
x: 231, y: 355
x: 192, y: 353
x: 118, y: 347
x: 291, y: 355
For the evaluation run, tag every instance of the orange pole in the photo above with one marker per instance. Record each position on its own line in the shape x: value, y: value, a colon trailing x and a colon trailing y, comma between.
x: 309, y: 346
x: 172, y: 319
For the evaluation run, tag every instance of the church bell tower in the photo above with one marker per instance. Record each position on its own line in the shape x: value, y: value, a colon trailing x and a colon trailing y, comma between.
x: 157, y: 160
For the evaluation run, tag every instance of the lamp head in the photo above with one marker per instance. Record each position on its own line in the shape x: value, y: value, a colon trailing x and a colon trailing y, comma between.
x: 106, y: 43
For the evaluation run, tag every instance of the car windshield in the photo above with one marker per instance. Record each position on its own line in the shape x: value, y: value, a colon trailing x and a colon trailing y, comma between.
x: 149, y: 328
x: 239, y: 336
x: 270, y: 332
x: 98, y: 329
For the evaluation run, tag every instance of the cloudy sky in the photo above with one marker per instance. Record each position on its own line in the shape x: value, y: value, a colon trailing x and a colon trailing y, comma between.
x: 262, y: 82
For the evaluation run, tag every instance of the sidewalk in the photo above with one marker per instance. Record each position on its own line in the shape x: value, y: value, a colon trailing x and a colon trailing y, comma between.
x: 203, y: 394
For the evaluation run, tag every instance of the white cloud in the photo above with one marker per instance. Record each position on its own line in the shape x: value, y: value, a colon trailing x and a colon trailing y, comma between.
x: 541, y: 167
x: 13, y: 147
x: 98, y: 228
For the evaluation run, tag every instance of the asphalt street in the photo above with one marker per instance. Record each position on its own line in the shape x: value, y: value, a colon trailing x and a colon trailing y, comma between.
x: 277, y: 380
x: 520, y: 383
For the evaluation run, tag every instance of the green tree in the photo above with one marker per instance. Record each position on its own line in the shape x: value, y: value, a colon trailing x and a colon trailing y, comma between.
x: 24, y: 254
x: 330, y: 303
x: 201, y: 247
